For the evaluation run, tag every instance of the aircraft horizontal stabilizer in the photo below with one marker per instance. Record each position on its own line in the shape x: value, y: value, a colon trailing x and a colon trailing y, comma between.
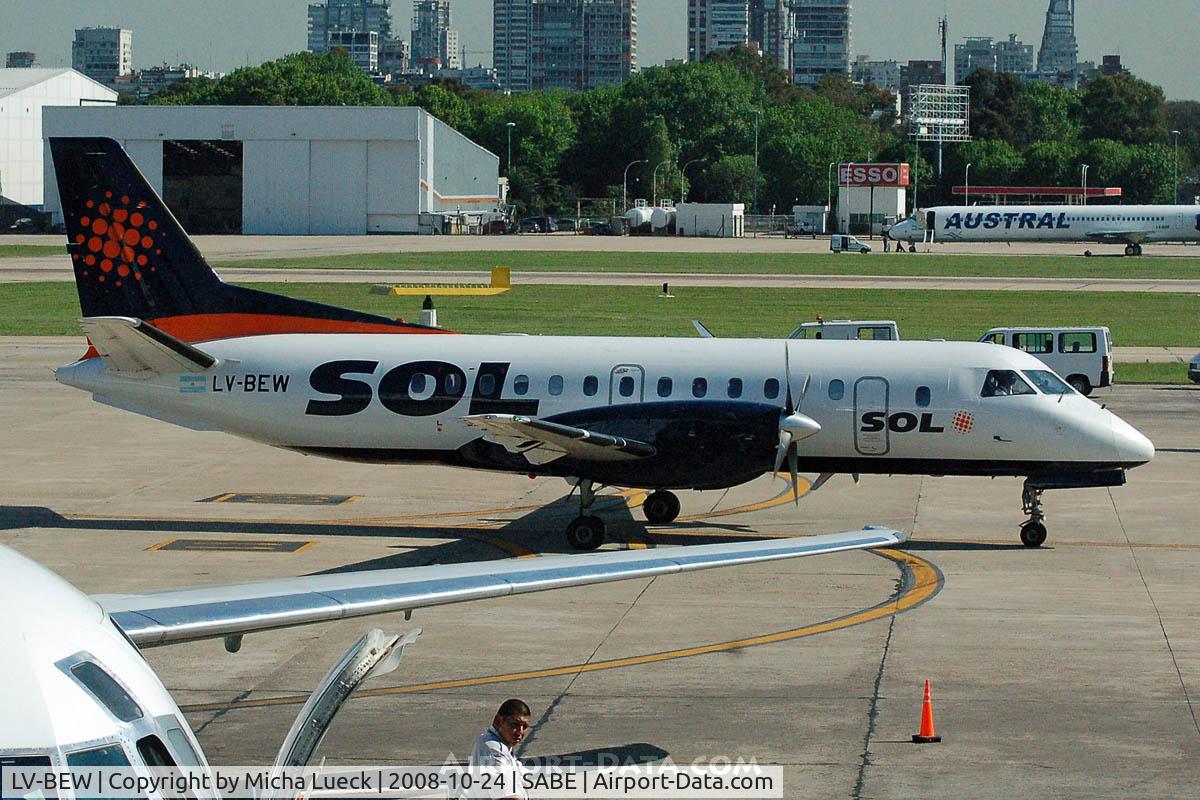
x: 132, y: 345
x: 180, y: 615
x: 542, y: 442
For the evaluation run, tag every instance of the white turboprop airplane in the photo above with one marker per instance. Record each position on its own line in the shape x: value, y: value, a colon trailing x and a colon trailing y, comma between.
x: 171, y: 341
x: 1127, y: 225
x: 76, y: 691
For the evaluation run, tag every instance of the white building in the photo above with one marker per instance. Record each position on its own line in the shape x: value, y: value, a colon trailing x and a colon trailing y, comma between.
x: 870, y: 196
x: 103, y: 53
x: 293, y: 170
x: 23, y: 94
x: 721, y: 220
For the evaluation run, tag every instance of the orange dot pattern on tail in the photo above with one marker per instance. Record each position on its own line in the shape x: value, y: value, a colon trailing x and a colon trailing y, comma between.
x: 120, y: 233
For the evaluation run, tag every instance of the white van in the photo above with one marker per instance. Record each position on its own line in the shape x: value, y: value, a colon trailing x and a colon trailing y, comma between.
x: 878, y: 329
x: 841, y: 243
x: 1082, y: 356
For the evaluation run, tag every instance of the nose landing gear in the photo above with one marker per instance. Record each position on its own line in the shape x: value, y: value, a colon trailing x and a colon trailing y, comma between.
x: 587, y: 531
x: 1033, y: 530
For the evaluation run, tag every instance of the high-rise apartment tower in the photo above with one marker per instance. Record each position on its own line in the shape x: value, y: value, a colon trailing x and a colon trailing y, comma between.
x: 103, y: 53
x: 563, y: 44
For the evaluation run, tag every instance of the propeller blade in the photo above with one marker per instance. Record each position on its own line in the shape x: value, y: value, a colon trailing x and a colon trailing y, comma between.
x: 787, y: 376
x: 792, y: 467
x: 785, y: 441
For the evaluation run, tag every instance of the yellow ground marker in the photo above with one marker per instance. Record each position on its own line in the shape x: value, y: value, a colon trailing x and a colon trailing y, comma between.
x: 501, y: 283
x: 923, y: 582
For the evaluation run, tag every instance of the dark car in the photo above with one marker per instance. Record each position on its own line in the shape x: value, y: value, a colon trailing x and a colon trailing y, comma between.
x: 22, y: 225
x: 495, y: 226
x: 530, y: 225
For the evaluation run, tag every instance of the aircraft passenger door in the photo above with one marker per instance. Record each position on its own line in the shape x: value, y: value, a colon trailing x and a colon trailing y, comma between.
x: 870, y: 416
x: 626, y: 384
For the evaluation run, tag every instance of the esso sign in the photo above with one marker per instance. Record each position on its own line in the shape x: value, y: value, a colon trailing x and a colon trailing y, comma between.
x: 873, y: 174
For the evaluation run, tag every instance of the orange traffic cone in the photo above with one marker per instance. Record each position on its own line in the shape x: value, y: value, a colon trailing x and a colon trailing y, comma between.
x: 927, y: 734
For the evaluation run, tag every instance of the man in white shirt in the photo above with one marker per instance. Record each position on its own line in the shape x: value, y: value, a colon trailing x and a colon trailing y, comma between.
x: 494, y: 747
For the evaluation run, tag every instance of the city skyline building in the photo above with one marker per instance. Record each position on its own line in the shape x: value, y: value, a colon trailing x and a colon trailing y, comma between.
x: 1058, y: 57
x: 334, y: 23
x: 563, y: 44
x: 821, y: 40
x: 20, y: 59
x: 715, y: 25
x: 434, y: 43
x: 103, y: 54
x: 982, y: 52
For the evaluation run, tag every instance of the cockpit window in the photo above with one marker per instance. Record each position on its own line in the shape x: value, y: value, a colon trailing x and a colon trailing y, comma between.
x: 1047, y: 382
x: 1000, y: 382
x: 107, y: 690
x: 108, y: 756
x: 179, y: 741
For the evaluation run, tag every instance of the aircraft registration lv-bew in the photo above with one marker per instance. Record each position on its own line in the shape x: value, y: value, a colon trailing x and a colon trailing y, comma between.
x: 170, y: 340
x: 1130, y: 225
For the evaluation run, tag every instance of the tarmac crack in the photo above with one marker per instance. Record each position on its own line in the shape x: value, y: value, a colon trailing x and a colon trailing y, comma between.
x: 873, y: 706
x: 1157, y: 613
x: 222, y: 712
x: 545, y: 717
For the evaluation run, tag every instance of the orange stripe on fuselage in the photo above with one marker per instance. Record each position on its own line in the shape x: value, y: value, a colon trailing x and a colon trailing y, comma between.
x: 205, y: 327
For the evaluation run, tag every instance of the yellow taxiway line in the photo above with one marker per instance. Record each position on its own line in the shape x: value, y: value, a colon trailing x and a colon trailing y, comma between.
x: 921, y: 581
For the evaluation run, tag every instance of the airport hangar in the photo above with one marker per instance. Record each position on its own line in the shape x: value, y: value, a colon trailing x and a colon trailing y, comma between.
x: 294, y: 170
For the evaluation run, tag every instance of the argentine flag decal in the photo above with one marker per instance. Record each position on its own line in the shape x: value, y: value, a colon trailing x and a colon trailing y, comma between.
x: 191, y: 383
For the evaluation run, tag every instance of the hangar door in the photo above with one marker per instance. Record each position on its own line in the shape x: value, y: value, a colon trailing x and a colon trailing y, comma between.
x: 202, y: 184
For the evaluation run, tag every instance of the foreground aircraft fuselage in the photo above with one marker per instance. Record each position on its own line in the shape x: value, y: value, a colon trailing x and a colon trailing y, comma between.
x: 170, y: 340
x: 1131, y: 225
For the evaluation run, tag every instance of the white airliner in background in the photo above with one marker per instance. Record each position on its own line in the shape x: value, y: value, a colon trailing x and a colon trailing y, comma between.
x: 1128, y: 225
x: 76, y: 691
x: 170, y: 340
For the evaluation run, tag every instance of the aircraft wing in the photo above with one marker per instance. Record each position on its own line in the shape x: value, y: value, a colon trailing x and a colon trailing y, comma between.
x: 1116, y: 236
x: 181, y: 615
x: 542, y: 442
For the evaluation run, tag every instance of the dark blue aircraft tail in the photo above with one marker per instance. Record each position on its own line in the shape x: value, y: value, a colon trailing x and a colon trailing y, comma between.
x: 133, y: 259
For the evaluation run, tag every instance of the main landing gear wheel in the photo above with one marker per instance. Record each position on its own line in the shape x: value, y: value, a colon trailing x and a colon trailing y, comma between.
x: 586, y: 532
x: 1133, y: 249
x: 1033, y: 530
x: 661, y: 507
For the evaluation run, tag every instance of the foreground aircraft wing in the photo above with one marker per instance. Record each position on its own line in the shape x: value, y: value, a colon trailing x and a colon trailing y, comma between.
x: 180, y: 615
x: 541, y: 441
x: 131, y: 345
x: 1119, y: 236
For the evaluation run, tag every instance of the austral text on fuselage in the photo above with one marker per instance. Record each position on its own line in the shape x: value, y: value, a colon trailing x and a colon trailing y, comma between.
x: 1007, y: 220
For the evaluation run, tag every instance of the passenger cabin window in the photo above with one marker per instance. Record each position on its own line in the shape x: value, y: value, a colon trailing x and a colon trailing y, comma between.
x: 837, y: 389
x: 521, y: 385
x: 454, y: 383
x: 1077, y: 342
x: 771, y: 388
x: 699, y: 387
x: 922, y: 398
x: 735, y: 388
x: 556, y: 385
x: 105, y: 689
x: 625, y: 387
x: 664, y: 387
x: 1034, y: 342
x: 1002, y: 382
x: 417, y: 384
x: 108, y: 756
x: 487, y: 384
x: 591, y: 385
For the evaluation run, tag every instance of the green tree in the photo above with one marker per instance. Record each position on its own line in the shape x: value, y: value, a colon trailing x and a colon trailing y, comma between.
x: 1108, y: 162
x: 730, y: 180
x: 299, y: 79
x: 543, y: 132
x: 1051, y: 164
x: 993, y: 162
x: 1150, y: 175
x: 995, y: 107
x: 1051, y: 113
x: 1184, y: 116
x: 450, y: 108
x: 1125, y: 109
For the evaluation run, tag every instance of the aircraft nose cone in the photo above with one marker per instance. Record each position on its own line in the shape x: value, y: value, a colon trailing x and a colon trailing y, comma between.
x: 1133, y: 448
